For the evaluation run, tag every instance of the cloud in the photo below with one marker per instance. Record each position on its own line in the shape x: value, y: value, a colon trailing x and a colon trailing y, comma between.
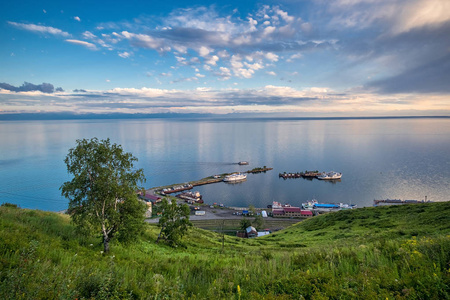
x: 317, y: 100
x: 28, y: 87
x: 125, y: 54
x: 401, y: 15
x: 88, y: 45
x: 272, y: 73
x: 204, y: 51
x: 432, y: 77
x: 76, y: 18
x: 270, y: 31
x: 40, y: 29
x: 145, y: 41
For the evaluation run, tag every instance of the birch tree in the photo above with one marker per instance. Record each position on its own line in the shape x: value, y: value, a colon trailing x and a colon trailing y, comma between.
x: 103, y: 192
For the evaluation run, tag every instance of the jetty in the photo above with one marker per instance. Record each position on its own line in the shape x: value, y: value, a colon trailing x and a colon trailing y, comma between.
x: 383, y: 202
x: 164, y: 190
x: 259, y: 170
x: 306, y: 174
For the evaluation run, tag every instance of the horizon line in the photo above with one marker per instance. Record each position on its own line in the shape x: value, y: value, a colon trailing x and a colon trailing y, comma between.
x: 169, y: 115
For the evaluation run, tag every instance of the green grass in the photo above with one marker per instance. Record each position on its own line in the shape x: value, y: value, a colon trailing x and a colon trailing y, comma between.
x: 396, y: 252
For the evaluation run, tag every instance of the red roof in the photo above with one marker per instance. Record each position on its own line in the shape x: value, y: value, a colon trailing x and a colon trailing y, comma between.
x: 278, y: 212
x: 307, y: 213
x: 292, y: 209
x: 152, y: 197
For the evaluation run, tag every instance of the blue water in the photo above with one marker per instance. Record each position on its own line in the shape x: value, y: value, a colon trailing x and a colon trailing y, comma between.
x: 379, y: 158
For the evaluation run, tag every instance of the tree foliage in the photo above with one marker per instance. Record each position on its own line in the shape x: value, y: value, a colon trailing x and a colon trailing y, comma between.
x: 102, y: 194
x: 174, y: 222
x: 245, y: 223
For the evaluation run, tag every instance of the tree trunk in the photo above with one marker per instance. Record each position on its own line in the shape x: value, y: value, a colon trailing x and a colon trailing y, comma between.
x: 105, y: 244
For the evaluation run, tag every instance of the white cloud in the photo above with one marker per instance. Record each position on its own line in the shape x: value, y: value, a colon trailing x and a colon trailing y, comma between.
x: 255, y: 66
x: 223, y: 54
x: 269, y: 30
x: 252, y: 24
x: 40, y: 28
x: 125, y: 54
x: 88, y: 45
x: 89, y: 35
x: 284, y: 15
x: 421, y: 14
x: 212, y: 60
x: 271, y: 56
x: 294, y: 56
x: 402, y: 15
x: 272, y: 73
x: 145, y: 41
x: 76, y: 18
x: 203, y: 51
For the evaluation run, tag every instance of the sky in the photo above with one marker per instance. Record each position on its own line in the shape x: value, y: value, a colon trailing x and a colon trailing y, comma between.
x: 304, y: 58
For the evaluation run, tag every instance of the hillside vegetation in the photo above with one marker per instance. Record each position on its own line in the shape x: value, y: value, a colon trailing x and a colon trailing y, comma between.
x: 395, y: 252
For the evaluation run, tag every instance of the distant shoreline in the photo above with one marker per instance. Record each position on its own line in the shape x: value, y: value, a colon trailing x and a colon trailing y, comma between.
x: 177, y: 116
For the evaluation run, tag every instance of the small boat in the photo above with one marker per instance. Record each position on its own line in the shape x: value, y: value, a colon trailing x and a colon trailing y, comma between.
x: 242, y: 163
x: 235, y: 177
x: 329, y: 175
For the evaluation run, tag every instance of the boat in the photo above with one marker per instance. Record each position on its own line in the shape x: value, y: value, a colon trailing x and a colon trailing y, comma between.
x: 176, y: 189
x: 313, y: 204
x: 243, y: 163
x: 329, y: 175
x: 235, y: 177
x: 191, y: 197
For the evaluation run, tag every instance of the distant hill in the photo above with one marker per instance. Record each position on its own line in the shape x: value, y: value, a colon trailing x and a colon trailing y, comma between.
x: 400, y: 252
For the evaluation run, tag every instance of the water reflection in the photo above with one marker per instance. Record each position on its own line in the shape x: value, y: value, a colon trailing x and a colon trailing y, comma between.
x: 399, y: 158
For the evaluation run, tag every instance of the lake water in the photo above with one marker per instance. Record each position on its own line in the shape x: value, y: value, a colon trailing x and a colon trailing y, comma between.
x: 379, y: 158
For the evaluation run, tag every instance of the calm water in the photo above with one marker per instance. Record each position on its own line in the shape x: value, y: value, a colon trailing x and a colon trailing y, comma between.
x: 379, y: 158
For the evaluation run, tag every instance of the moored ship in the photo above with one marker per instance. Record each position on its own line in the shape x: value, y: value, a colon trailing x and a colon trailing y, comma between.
x: 329, y: 175
x: 235, y: 177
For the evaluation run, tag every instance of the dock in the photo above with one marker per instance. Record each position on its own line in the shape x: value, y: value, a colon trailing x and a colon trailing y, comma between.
x: 384, y: 202
x: 306, y: 174
x: 164, y: 190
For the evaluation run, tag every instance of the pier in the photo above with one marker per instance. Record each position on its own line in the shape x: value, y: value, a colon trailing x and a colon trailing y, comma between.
x: 306, y: 174
x: 208, y: 180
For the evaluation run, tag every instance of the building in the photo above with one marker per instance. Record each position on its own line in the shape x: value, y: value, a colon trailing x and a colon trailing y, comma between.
x: 251, y: 232
x: 150, y: 197
x: 290, y: 212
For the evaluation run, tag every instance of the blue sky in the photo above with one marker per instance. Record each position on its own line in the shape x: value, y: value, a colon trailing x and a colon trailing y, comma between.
x: 294, y: 58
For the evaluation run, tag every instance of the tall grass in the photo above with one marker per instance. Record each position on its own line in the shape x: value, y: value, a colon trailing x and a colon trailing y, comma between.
x: 42, y: 256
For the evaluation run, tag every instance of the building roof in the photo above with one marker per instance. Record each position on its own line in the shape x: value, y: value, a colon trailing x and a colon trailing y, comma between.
x: 151, y: 197
x: 278, y: 212
x: 251, y: 229
x: 292, y: 210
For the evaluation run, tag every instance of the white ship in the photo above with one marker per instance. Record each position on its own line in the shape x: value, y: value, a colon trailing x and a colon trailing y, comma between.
x: 330, y: 175
x: 235, y: 177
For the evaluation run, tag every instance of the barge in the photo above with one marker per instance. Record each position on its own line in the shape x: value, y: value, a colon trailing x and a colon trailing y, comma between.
x: 176, y: 189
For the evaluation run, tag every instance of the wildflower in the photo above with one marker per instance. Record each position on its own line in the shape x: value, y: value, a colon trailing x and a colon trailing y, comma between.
x: 239, y: 291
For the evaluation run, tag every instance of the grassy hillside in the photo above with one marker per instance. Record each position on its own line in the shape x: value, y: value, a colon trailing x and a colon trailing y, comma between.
x: 400, y: 252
